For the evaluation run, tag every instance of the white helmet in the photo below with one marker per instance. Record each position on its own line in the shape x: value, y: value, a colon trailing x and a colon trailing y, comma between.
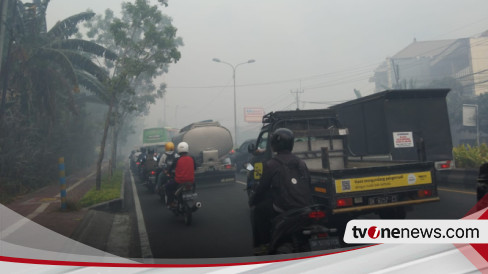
x: 182, y: 147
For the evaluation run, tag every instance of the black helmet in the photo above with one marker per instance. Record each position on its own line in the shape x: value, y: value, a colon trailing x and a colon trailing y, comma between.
x: 282, y: 139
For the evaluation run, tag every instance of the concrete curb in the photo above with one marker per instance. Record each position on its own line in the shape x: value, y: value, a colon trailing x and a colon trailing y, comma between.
x: 115, y: 205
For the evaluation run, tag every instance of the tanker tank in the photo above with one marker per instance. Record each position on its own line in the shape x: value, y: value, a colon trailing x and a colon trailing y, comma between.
x: 210, y: 144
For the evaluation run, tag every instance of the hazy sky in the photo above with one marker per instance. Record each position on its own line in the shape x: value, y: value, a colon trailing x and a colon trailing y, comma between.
x: 325, y: 47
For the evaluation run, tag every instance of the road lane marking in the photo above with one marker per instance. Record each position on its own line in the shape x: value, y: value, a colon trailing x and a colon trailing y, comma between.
x: 146, y: 252
x: 457, y: 191
x: 240, y: 182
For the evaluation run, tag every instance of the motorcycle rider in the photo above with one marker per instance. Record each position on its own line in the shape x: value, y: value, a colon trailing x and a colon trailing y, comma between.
x: 184, y: 172
x: 150, y: 163
x: 270, y: 197
x: 165, y: 164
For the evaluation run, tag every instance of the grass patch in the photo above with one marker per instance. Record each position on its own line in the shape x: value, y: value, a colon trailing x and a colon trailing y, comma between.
x: 109, y: 190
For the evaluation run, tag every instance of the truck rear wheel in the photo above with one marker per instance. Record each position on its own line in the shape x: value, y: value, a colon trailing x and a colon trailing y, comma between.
x: 393, y: 213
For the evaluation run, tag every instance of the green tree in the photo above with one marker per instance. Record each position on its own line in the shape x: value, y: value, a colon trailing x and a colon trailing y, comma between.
x: 53, y: 64
x: 146, y: 43
x: 40, y: 79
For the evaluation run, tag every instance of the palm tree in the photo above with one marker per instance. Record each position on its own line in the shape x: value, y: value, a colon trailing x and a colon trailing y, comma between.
x: 49, y: 65
x: 42, y: 70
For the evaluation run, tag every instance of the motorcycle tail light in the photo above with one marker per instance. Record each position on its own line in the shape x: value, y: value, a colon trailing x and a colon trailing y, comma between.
x: 137, y: 163
x: 316, y: 215
x: 228, y: 166
x: 153, y: 172
x: 322, y: 235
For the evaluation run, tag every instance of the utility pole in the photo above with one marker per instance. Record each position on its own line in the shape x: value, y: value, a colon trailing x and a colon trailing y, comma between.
x: 3, y: 26
x: 296, y: 95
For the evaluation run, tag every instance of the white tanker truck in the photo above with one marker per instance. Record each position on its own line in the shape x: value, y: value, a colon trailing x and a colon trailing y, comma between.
x: 210, y: 145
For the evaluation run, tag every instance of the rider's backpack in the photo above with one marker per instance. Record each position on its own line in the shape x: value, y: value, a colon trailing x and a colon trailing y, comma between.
x: 293, y: 190
x: 170, y: 158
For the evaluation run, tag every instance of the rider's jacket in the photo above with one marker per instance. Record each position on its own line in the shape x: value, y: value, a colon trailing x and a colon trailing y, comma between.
x: 284, y: 195
x: 185, y: 169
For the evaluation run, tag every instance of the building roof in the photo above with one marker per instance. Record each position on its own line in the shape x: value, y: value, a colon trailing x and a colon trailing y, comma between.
x: 424, y: 49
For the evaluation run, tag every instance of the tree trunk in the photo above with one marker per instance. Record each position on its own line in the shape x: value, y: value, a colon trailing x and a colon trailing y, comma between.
x: 114, y: 147
x: 98, y: 181
x: 3, y: 26
x: 113, y: 155
x: 4, y: 75
x: 115, y: 135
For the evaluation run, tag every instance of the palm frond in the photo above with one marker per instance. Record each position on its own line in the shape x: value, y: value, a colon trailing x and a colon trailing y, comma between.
x: 91, y: 83
x: 58, y: 60
x: 85, y: 63
x: 85, y: 46
x: 94, y: 99
x: 67, y: 27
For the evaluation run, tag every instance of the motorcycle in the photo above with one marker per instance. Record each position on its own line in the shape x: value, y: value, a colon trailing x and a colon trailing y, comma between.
x: 302, y: 230
x: 250, y: 184
x: 299, y: 230
x: 185, y: 197
x: 151, y: 176
x: 152, y: 179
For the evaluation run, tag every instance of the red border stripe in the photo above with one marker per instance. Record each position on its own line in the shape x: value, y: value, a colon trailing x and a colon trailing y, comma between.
x: 142, y: 265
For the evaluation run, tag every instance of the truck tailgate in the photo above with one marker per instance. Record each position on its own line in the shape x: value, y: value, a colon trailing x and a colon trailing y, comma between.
x: 376, y: 187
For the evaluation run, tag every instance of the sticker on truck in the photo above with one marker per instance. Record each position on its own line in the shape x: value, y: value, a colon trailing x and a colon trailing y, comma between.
x: 380, y: 182
x: 258, y: 170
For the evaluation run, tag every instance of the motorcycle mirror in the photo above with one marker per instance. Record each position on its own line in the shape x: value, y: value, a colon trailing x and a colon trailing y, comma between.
x: 249, y: 167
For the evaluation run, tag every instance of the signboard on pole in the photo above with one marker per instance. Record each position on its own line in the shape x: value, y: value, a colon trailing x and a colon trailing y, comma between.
x: 470, y: 119
x: 153, y: 135
x: 253, y: 115
x: 469, y: 115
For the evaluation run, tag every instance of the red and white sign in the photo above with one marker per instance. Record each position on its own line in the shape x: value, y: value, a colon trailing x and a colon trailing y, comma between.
x: 402, y: 139
x: 253, y: 115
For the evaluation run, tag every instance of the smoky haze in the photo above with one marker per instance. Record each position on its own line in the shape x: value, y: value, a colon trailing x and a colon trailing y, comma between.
x: 321, y: 49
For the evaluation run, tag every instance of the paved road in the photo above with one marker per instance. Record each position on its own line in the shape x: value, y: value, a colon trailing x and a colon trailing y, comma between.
x: 221, y: 227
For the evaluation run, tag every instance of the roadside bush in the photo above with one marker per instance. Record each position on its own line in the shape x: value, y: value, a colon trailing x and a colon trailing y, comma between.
x: 109, y: 190
x: 467, y: 156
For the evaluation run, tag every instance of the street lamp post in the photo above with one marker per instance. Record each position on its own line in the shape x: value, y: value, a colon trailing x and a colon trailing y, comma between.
x: 234, y: 78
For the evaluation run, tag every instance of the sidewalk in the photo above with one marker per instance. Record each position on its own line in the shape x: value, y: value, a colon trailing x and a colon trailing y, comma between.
x: 44, y: 205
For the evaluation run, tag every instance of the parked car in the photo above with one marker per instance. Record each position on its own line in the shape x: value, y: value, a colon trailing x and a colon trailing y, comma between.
x: 241, y: 155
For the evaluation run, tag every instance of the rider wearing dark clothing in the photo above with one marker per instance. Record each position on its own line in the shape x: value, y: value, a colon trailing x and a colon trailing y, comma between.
x: 271, y: 196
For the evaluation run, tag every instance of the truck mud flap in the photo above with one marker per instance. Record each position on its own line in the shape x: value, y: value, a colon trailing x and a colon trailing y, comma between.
x: 378, y: 206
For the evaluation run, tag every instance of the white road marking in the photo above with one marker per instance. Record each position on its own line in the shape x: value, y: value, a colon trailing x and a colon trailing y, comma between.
x: 146, y: 252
